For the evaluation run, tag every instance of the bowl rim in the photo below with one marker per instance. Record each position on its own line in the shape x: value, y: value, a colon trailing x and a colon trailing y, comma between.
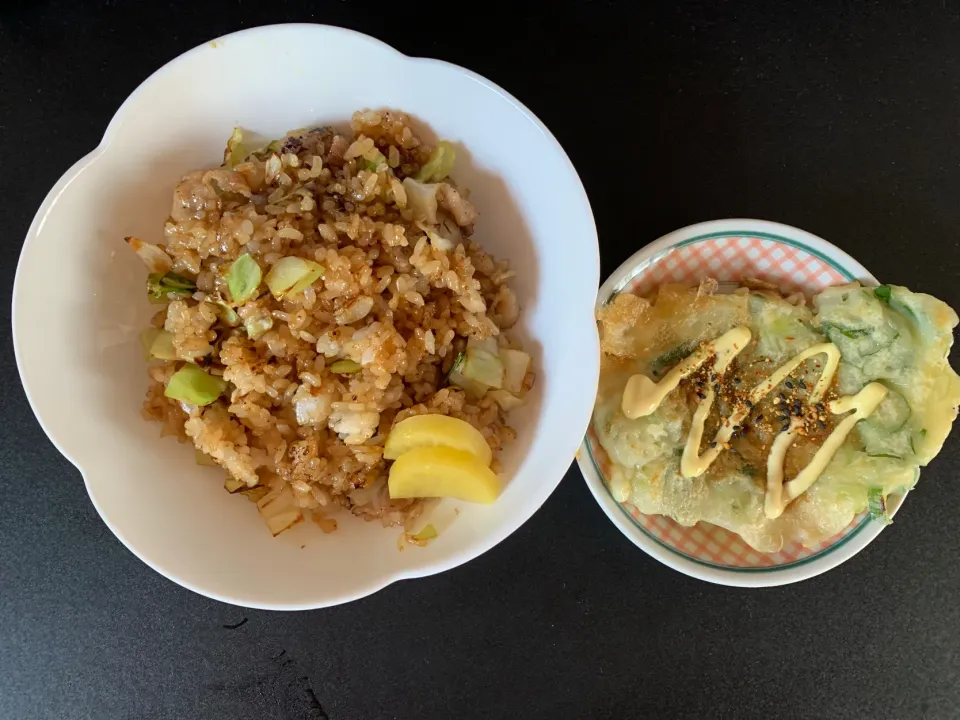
x: 454, y: 559
x: 830, y: 557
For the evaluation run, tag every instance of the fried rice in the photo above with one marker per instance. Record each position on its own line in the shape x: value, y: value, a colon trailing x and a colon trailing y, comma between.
x: 401, y: 293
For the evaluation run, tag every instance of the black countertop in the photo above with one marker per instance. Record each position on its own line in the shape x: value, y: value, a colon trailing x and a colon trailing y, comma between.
x: 840, y: 118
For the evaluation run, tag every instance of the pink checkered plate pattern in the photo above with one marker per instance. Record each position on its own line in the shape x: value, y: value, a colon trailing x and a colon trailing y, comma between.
x: 727, y: 250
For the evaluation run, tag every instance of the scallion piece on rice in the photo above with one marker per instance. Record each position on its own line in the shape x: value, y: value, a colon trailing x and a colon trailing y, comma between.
x: 439, y: 165
x: 161, y: 287
x: 191, y: 384
x: 258, y: 325
x: 243, y: 278
x: 291, y: 275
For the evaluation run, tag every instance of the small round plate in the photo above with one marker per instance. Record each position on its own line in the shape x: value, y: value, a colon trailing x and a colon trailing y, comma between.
x: 728, y: 250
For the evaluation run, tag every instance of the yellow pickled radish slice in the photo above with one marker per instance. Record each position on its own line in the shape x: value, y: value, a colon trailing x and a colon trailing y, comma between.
x: 436, y: 431
x: 442, y: 472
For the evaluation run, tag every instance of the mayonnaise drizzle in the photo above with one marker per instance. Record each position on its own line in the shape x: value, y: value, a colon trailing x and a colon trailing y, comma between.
x: 642, y: 396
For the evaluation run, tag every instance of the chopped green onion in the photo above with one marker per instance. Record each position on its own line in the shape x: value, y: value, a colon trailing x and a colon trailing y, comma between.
x: 292, y: 272
x: 439, y: 165
x: 877, y: 505
x: 883, y: 292
x: 162, y: 346
x: 243, y: 278
x: 191, y: 384
x: 157, y: 344
x: 316, y: 272
x: 227, y: 313
x: 161, y: 286
x: 258, y: 325
x: 672, y: 357
x: 345, y: 367
x: 852, y: 333
x: 457, y: 364
x: 372, y: 164
x: 147, y: 336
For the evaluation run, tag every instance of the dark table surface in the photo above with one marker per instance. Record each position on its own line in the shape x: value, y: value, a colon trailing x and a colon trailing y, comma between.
x: 841, y: 118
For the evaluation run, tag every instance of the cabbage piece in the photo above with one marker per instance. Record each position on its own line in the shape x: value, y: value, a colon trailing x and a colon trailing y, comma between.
x: 507, y: 401
x: 436, y: 239
x: 243, y: 278
x: 422, y: 200
x: 483, y: 367
x: 455, y: 376
x: 162, y: 346
x: 439, y: 165
x: 280, y: 510
x: 290, y: 275
x: 257, y: 325
x: 235, y: 153
x: 316, y: 272
x: 515, y: 367
x: 192, y: 385
x: 147, y: 336
x: 226, y: 313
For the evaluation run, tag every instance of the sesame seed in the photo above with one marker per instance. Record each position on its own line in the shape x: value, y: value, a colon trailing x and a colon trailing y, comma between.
x: 789, y: 384
x: 713, y: 444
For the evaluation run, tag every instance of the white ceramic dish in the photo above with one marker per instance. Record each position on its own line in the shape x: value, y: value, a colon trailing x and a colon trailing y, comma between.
x: 729, y: 250
x: 79, y: 304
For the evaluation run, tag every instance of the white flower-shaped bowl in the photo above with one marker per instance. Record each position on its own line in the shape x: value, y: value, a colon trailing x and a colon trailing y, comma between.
x: 79, y: 303
x: 729, y: 250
